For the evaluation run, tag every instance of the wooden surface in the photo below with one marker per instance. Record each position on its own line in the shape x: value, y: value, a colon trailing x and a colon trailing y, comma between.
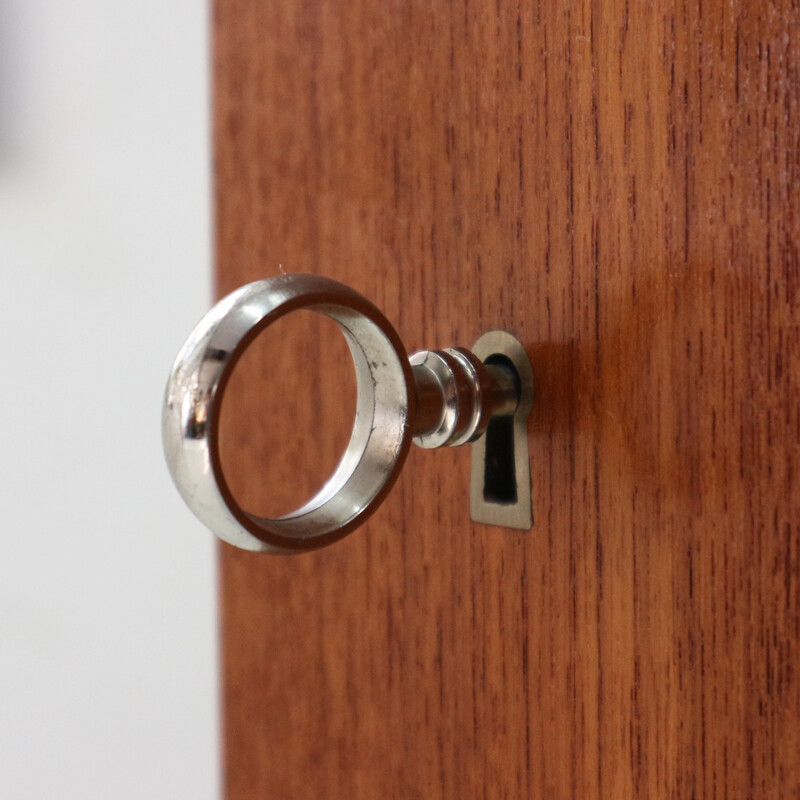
x: 616, y: 184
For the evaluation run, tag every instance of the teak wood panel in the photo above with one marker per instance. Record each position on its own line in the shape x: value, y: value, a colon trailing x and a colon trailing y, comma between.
x: 616, y: 184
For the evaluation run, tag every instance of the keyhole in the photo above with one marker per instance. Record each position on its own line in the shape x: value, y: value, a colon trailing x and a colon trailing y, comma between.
x: 499, y: 474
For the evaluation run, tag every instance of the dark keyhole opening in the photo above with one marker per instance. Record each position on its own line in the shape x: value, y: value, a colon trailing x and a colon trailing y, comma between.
x: 499, y: 470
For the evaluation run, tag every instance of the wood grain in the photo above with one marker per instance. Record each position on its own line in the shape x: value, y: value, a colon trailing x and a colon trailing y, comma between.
x: 616, y: 184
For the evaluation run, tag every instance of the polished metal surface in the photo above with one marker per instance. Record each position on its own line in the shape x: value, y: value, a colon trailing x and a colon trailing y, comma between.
x: 464, y: 393
x: 381, y: 433
x: 501, y: 347
x: 439, y: 397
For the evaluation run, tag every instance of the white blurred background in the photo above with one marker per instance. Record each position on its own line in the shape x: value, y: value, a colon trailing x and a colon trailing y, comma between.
x: 107, y: 610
